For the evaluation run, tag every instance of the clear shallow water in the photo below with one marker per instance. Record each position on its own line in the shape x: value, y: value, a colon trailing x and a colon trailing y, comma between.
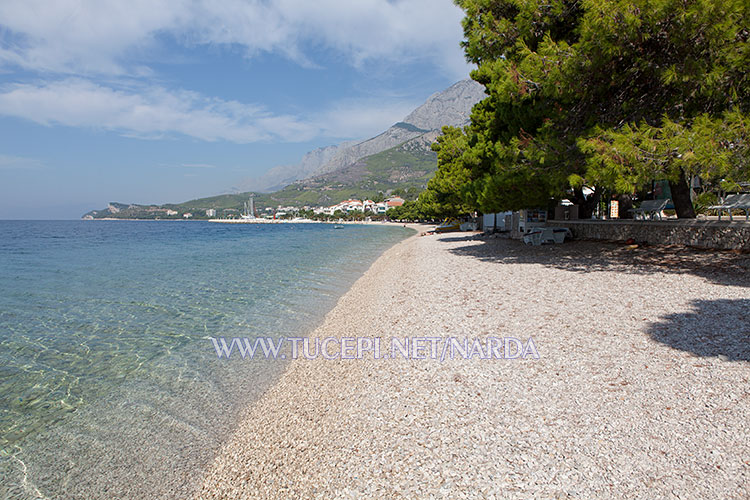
x: 109, y: 384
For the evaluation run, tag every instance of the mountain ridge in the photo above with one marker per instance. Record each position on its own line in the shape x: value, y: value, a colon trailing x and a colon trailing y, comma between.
x: 400, y: 157
x: 449, y: 107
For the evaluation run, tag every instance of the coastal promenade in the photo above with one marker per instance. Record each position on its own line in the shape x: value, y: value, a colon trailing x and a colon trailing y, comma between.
x: 641, y: 388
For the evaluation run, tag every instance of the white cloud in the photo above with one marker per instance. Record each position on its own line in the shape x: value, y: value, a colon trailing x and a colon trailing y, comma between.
x: 106, y: 36
x: 93, y: 41
x: 382, y: 30
x: 362, y: 119
x: 82, y: 36
x: 154, y: 112
x: 200, y: 166
x: 197, y: 165
x: 148, y: 112
x: 19, y: 163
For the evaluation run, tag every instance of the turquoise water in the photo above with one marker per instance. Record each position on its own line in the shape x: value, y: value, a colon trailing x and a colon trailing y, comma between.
x: 109, y: 384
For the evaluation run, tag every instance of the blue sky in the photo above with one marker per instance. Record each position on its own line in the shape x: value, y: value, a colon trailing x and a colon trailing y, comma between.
x: 156, y: 101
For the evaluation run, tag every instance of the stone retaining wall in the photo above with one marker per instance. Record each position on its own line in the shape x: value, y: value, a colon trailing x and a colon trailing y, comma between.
x: 722, y: 235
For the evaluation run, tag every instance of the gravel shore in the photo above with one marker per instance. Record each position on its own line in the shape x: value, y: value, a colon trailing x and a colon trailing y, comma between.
x: 641, y: 390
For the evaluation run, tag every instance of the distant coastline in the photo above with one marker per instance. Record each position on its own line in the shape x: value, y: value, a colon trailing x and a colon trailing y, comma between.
x: 262, y: 221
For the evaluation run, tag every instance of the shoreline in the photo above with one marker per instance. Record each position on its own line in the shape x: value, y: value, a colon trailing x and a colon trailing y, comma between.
x: 269, y: 221
x: 607, y: 410
x: 173, y: 417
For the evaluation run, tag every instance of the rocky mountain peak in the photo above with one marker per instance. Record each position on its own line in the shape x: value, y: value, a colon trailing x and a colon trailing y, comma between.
x: 452, y: 106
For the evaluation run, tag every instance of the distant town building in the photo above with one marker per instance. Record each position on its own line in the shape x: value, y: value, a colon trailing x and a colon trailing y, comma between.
x: 187, y: 215
x: 349, y: 206
x: 211, y: 212
x: 172, y: 212
x: 355, y: 206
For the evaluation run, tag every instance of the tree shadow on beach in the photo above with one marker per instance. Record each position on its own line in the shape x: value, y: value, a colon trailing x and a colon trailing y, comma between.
x: 714, y: 328
x: 720, y: 267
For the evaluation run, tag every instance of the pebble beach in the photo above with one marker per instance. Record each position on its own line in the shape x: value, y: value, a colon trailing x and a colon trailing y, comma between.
x: 641, y: 388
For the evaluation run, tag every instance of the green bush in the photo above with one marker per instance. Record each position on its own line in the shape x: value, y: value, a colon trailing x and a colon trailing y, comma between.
x: 703, y: 201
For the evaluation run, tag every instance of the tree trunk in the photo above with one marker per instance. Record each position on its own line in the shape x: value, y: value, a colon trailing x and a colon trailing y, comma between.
x: 626, y: 203
x: 681, y: 197
x: 587, y: 206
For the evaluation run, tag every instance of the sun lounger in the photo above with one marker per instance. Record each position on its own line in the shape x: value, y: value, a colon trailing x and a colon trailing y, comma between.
x: 542, y: 235
x: 650, y: 208
x: 534, y: 237
x: 560, y: 233
x: 734, y: 202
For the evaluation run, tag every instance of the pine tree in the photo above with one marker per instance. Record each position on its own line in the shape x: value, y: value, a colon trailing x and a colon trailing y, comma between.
x: 607, y: 93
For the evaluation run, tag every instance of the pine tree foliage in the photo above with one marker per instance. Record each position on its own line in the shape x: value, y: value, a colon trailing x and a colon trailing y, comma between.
x: 605, y: 93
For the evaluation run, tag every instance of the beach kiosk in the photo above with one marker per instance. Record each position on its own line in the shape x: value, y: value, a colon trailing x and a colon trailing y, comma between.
x: 530, y: 219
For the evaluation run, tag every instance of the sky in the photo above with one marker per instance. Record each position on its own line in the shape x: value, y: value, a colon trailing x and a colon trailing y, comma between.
x: 162, y: 101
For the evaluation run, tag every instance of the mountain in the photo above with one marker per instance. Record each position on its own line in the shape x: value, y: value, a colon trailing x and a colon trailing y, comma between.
x: 399, y: 158
x: 282, y: 175
x: 451, y: 107
x: 407, y: 166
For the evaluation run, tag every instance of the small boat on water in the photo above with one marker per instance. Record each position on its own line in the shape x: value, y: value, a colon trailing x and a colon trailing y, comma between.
x: 338, y: 226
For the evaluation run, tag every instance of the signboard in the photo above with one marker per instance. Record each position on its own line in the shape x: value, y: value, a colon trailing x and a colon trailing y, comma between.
x: 614, y: 209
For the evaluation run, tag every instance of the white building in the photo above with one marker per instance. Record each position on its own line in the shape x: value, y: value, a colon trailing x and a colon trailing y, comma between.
x: 354, y: 206
x: 496, y: 221
x: 211, y: 212
x: 349, y: 206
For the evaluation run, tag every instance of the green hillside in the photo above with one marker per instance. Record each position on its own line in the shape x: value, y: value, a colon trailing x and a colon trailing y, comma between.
x: 403, y: 167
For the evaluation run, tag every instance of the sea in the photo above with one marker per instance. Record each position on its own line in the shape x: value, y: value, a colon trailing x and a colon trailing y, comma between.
x: 110, y: 386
